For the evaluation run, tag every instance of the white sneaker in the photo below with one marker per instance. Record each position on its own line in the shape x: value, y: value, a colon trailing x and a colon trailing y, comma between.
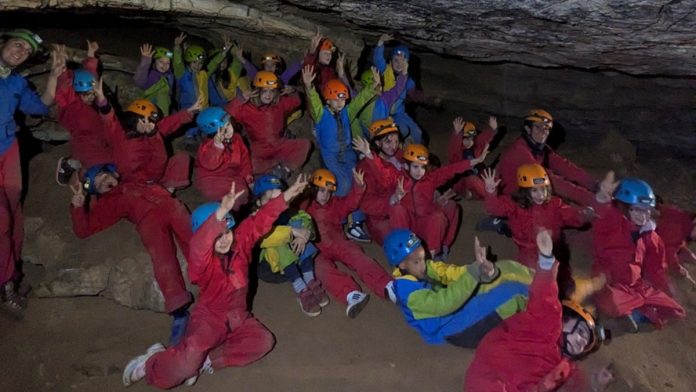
x: 389, y: 288
x: 135, y: 369
x: 356, y: 302
x: 207, y: 367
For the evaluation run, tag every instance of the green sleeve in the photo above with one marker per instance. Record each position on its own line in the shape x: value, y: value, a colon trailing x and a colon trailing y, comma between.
x: 316, y: 108
x: 215, y: 62
x: 427, y: 303
x: 360, y: 100
x: 178, y: 62
x: 235, y: 69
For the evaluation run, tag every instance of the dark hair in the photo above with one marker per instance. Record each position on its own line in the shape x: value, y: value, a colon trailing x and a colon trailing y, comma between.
x: 523, y: 196
x: 257, y: 100
x: 374, y: 141
x: 624, y: 207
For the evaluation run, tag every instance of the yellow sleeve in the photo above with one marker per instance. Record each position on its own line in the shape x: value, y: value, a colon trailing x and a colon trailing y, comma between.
x: 280, y: 235
x: 202, y: 85
x: 444, y: 272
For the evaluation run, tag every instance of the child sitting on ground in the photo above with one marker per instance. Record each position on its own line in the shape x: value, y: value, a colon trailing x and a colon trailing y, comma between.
x: 154, y: 76
x: 452, y: 303
x: 468, y: 142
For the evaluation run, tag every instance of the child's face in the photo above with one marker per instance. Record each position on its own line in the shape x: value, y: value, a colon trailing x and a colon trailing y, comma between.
x: 539, y: 194
x: 267, y: 95
x: 539, y: 131
x: 15, y: 51
x: 639, y: 216
x: 104, y: 182
x: 227, y: 131
x: 87, y: 98
x: 325, y: 57
x: 270, y: 66
x: 224, y: 242
x: 145, y: 126
x: 577, y: 335
x: 414, y: 263
x: 468, y: 142
x: 336, y: 105
x: 323, y: 196
x: 398, y: 63
x: 196, y: 66
x: 268, y: 196
x: 162, y: 64
x: 223, y: 64
x: 389, y: 144
x: 416, y: 170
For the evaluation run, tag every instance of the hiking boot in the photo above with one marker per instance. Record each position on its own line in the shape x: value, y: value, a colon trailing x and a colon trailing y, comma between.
x: 135, y: 369
x: 12, y: 302
x: 356, y: 232
x: 356, y: 302
x: 65, y: 170
x: 319, y: 292
x: 179, y: 325
x: 308, y: 303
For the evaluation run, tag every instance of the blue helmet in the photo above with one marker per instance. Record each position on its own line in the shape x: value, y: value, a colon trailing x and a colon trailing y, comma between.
x: 401, y: 49
x: 83, y: 81
x: 635, y: 192
x: 92, y: 173
x: 265, y: 183
x: 399, y: 244
x: 210, y: 120
x: 204, y: 211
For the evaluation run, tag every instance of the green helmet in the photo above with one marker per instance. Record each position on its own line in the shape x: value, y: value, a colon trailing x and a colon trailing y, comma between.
x: 194, y: 53
x: 366, y: 78
x: 29, y: 36
x: 161, y: 52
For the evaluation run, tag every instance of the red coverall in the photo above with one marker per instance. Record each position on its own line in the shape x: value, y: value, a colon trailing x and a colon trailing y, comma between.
x: 524, y: 223
x: 568, y: 180
x: 418, y: 210
x: 375, y: 203
x: 674, y: 227
x: 635, y: 270
x: 265, y: 126
x: 523, y: 353
x: 11, y: 217
x: 324, y: 72
x: 217, y: 167
x: 87, y: 139
x: 456, y: 153
x: 156, y: 216
x: 221, y: 326
x: 334, y: 247
x: 144, y: 158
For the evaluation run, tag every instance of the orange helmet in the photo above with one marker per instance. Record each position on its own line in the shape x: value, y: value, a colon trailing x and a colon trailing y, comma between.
x: 144, y: 108
x: 266, y: 79
x: 417, y: 153
x: 335, y: 89
x: 271, y: 56
x: 469, y: 129
x: 538, y: 115
x: 324, y: 179
x: 383, y: 127
x: 532, y: 175
x: 599, y: 335
x: 327, y: 44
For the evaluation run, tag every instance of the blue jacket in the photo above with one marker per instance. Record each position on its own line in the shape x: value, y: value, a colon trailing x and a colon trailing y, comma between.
x: 15, y: 93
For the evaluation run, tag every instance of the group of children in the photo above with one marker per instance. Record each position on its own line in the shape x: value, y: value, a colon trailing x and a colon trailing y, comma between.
x: 372, y: 186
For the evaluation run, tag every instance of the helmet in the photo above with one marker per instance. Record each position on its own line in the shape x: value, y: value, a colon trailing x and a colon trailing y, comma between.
x: 211, y: 119
x: 266, y: 79
x: 367, y: 78
x: 204, y: 211
x: 144, y: 108
x: 598, y: 334
x: 265, y: 183
x: 92, y: 173
x: 194, y: 53
x: 383, y: 127
x: 538, y: 115
x: 161, y: 52
x: 401, y: 49
x: 30, y: 37
x: 469, y: 129
x: 399, y: 244
x: 83, y: 81
x: 271, y: 56
x: 635, y: 192
x: 327, y: 44
x: 324, y: 179
x: 417, y: 153
x: 335, y: 89
x: 532, y: 175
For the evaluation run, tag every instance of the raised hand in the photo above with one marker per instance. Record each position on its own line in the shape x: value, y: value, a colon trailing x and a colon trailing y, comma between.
x: 296, y: 188
x: 481, y: 157
x: 314, y: 43
x: 99, y: 90
x: 386, y: 37
x: 486, y: 267
x: 198, y: 105
x: 78, y: 197
x: 58, y: 58
x: 340, y: 65
x: 146, y: 50
x: 228, y: 201
x: 362, y: 146
x: 493, y: 123
x: 287, y: 90
x: 458, y: 124
x: 544, y: 242
x: 180, y: 39
x: 400, y: 192
x: 92, y: 47
x: 249, y: 94
x: 376, y: 77
x: 444, y: 198
x: 308, y: 75
x: 359, y: 177
x: 227, y: 43
x: 488, y: 177
x: 238, y: 53
x: 607, y: 187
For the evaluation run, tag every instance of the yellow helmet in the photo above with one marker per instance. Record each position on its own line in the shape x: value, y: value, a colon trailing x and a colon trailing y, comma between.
x: 417, y: 153
x: 324, y: 179
x: 532, y: 175
x: 266, y: 79
x: 144, y: 108
x: 538, y: 115
x: 383, y: 127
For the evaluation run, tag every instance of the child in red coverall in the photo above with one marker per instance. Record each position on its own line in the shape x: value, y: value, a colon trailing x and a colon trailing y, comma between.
x: 158, y: 217
x: 631, y: 254
x: 137, y: 142
x: 321, y: 57
x: 328, y: 213
x: 78, y: 114
x: 536, y: 350
x: 415, y: 207
x: 264, y: 112
x: 382, y: 172
x: 222, y: 158
x: 467, y: 142
x: 677, y: 228
x: 222, y: 332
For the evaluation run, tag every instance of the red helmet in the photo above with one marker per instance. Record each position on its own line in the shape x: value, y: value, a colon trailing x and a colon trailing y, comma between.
x: 335, y: 89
